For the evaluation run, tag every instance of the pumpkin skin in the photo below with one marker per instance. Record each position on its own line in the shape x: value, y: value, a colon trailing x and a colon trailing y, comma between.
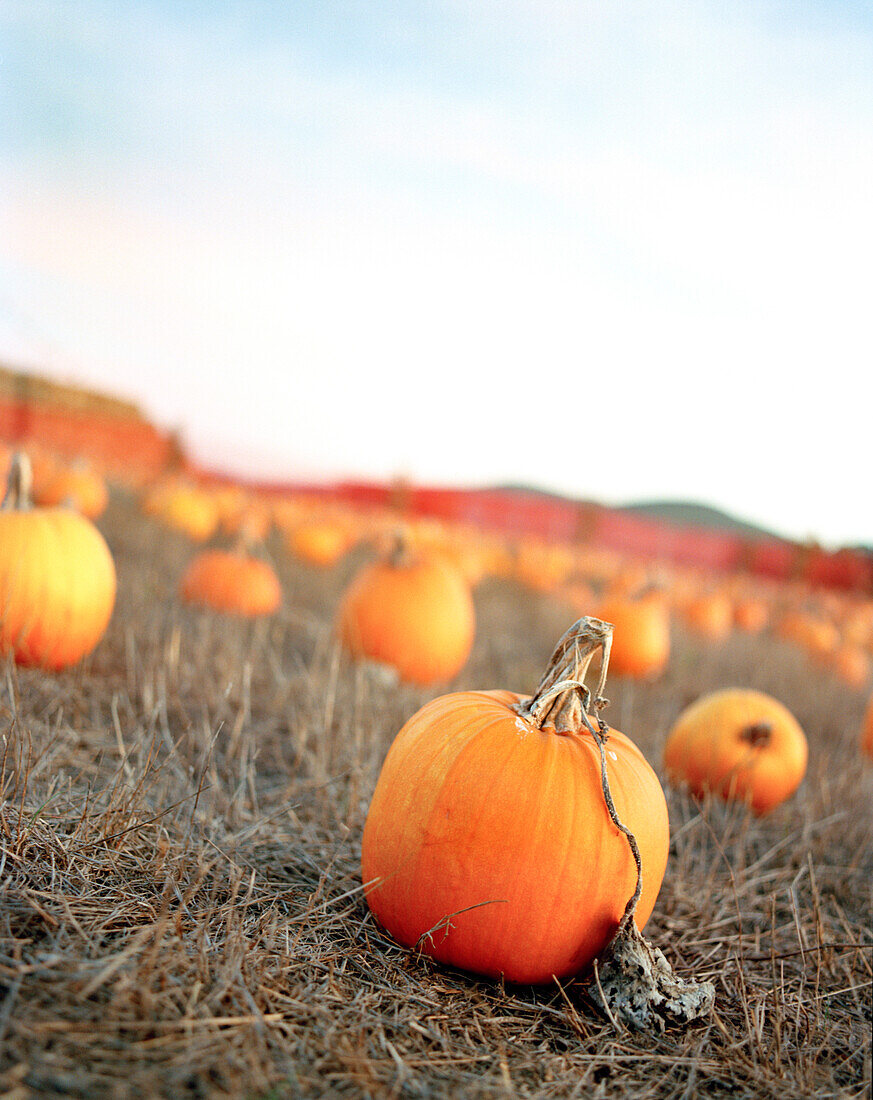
x: 416, y: 615
x: 641, y: 642
x: 475, y: 804
x: 739, y: 744
x: 57, y: 586
x: 235, y: 583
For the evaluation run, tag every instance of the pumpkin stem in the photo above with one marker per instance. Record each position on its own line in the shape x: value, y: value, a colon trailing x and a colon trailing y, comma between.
x: 562, y: 699
x: 18, y: 483
x: 758, y: 734
x: 399, y: 552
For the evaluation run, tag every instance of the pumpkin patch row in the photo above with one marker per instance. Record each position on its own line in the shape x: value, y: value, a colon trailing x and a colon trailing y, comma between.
x: 508, y: 835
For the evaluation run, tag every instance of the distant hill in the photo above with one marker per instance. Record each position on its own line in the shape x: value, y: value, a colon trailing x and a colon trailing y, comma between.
x: 697, y: 515
x: 679, y: 512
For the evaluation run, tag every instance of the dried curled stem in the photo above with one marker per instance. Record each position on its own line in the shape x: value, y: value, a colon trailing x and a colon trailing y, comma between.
x: 18, y: 483
x: 633, y: 983
x: 562, y: 700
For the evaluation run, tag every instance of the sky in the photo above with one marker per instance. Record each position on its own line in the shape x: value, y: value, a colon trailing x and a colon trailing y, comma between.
x: 619, y: 249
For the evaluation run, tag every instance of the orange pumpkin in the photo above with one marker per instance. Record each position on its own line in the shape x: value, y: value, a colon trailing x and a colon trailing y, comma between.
x: 57, y: 579
x: 740, y: 744
x: 641, y: 638
x: 751, y: 615
x: 488, y: 844
x: 320, y: 542
x: 852, y: 665
x: 710, y: 614
x: 185, y: 508
x: 233, y: 582
x: 413, y: 611
x: 77, y: 485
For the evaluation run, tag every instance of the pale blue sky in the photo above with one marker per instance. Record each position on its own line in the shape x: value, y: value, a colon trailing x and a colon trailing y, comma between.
x: 468, y: 242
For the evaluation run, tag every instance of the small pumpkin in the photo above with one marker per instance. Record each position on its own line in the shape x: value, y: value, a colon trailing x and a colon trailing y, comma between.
x: 641, y: 639
x: 488, y: 844
x: 185, y: 508
x: 852, y: 665
x: 320, y: 542
x: 739, y: 744
x: 710, y: 615
x: 77, y: 485
x: 57, y: 579
x: 751, y: 615
x: 411, y: 610
x: 234, y: 582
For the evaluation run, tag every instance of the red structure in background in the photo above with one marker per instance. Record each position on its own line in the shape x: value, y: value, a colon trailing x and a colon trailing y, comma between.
x: 128, y: 447
x: 555, y: 519
x: 132, y: 449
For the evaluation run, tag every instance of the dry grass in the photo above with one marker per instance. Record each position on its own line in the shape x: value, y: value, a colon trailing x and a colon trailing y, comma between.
x: 180, y: 908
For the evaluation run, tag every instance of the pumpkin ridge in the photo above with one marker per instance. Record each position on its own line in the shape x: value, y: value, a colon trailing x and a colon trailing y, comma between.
x: 474, y: 815
x: 470, y: 733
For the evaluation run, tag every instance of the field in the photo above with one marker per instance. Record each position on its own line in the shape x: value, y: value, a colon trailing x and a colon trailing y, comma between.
x: 180, y: 904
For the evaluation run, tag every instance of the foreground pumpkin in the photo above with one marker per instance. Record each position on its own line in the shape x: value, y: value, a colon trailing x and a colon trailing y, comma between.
x: 739, y: 744
x: 412, y: 611
x: 488, y: 844
x: 234, y: 582
x: 57, y: 579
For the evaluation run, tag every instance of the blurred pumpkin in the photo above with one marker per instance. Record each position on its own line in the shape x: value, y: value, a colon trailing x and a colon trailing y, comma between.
x: 184, y: 508
x: 320, y: 542
x: 751, y: 615
x: 411, y: 610
x: 57, y: 579
x: 852, y: 665
x: 710, y: 615
x: 739, y: 744
x: 488, y: 844
x: 76, y: 485
x: 641, y: 636
x: 233, y: 582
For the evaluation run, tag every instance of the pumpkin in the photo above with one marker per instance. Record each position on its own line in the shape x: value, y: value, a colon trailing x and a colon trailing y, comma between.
x: 751, y: 615
x: 411, y: 610
x: 57, y: 579
x: 320, y: 542
x: 710, y: 615
x: 185, y: 508
x: 852, y: 665
x: 232, y: 581
x: 641, y: 639
x: 488, y: 844
x: 739, y: 744
x: 76, y: 485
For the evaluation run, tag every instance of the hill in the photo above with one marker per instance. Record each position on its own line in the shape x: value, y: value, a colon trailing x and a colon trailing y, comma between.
x: 693, y: 514
x: 678, y: 512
